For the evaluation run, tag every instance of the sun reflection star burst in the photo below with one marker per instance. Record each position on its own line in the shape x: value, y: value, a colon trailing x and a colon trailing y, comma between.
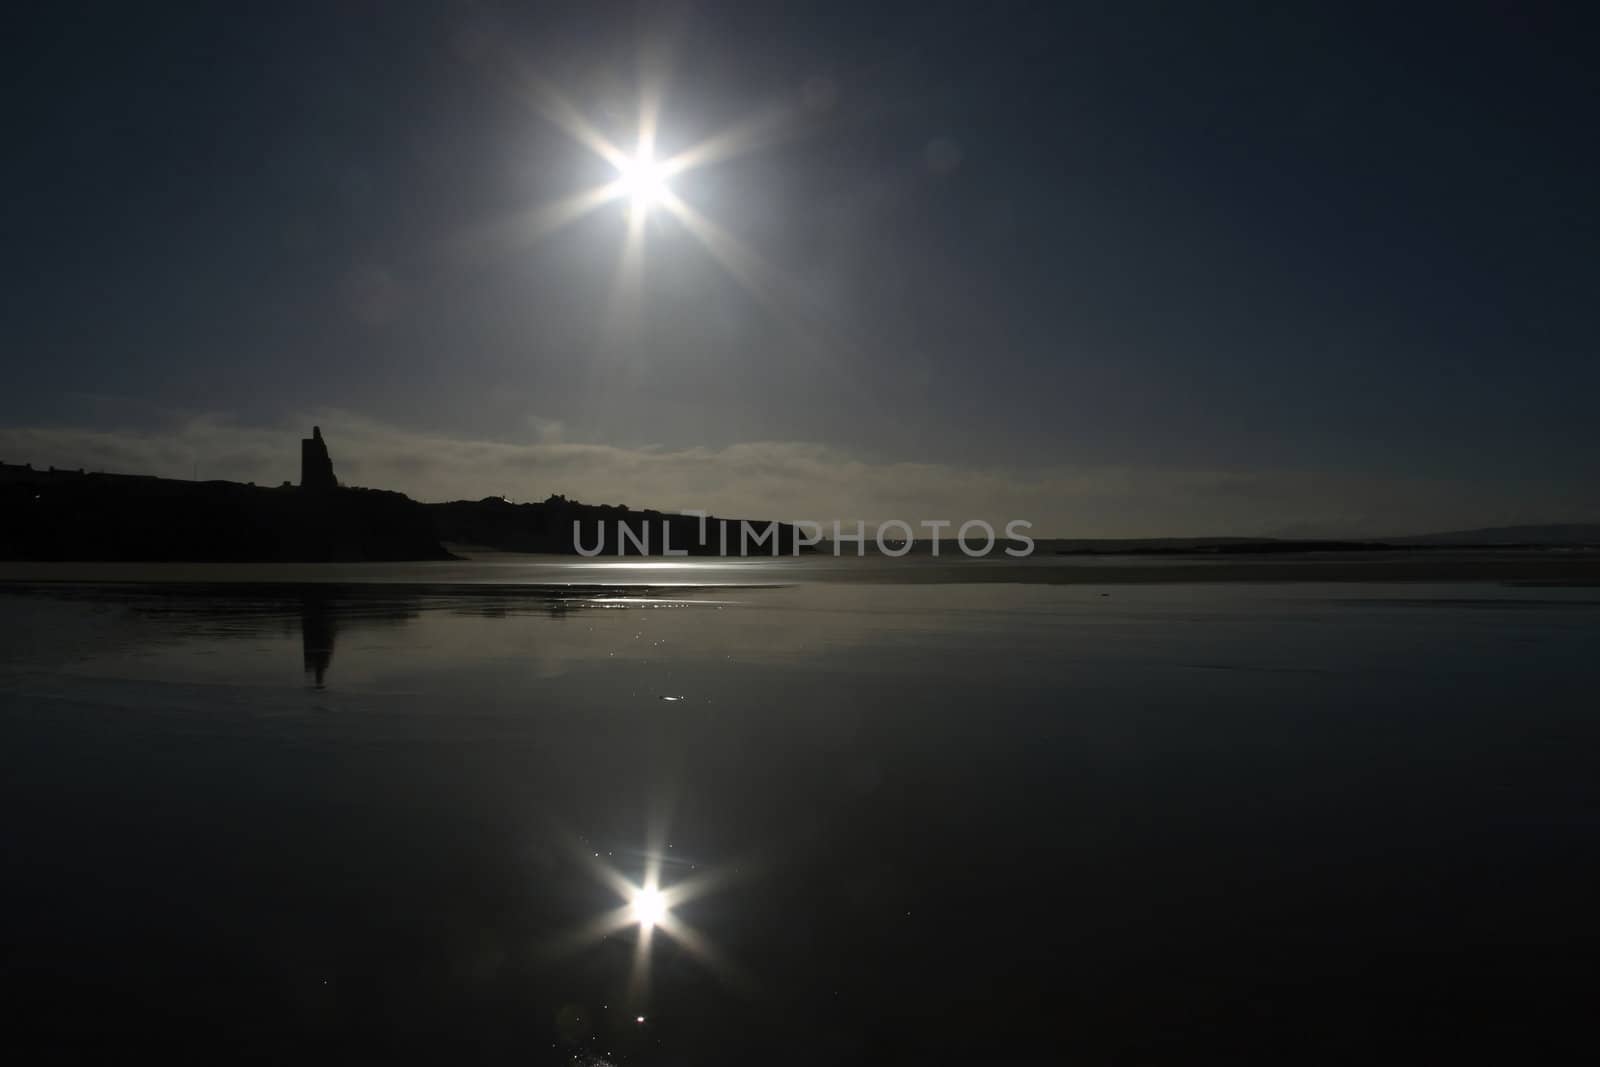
x: 651, y: 907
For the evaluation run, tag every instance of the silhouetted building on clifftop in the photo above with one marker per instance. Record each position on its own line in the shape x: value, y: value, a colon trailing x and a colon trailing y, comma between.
x: 316, y: 468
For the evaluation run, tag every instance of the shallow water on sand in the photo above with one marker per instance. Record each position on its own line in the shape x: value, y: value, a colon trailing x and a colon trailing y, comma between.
x: 894, y: 821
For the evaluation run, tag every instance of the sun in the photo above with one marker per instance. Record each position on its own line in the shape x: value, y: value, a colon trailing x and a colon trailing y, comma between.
x: 649, y: 907
x: 643, y: 180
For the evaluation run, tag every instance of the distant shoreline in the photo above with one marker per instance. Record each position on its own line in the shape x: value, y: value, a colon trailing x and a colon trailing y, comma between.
x: 1542, y: 568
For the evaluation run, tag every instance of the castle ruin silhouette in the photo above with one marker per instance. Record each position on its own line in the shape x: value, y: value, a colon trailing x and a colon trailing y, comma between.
x: 316, y: 468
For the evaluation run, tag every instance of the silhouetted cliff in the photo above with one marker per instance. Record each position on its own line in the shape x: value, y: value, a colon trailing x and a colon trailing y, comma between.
x: 70, y: 515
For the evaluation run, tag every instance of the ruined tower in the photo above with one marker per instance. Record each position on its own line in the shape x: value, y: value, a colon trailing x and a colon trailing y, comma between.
x: 316, y: 469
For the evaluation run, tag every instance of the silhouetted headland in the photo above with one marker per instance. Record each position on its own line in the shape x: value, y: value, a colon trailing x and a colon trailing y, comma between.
x: 73, y: 515
x: 52, y: 514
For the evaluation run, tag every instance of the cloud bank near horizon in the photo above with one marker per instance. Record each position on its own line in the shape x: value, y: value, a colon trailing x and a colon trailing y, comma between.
x: 799, y: 480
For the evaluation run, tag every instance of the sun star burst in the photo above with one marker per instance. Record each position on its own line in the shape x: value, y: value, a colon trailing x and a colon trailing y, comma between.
x: 643, y: 180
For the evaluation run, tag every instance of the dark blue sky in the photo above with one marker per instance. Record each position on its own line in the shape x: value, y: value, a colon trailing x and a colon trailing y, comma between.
x: 1354, y: 242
